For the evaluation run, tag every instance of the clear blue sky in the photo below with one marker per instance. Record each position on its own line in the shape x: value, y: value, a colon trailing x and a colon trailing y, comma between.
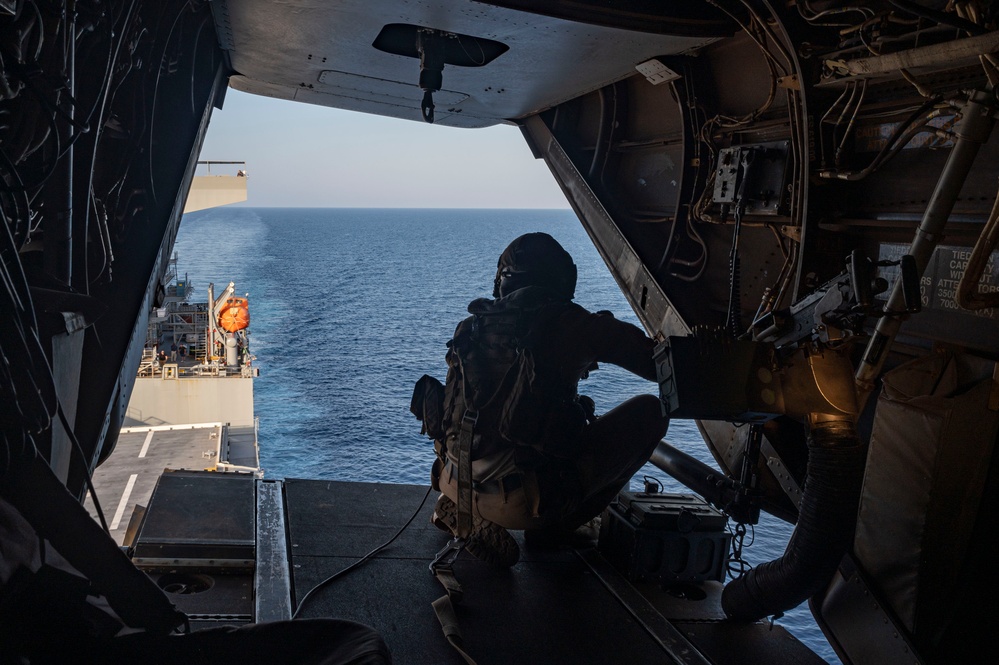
x: 312, y: 156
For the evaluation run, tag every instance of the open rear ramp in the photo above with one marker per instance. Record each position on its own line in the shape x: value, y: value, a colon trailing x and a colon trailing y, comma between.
x: 564, y: 606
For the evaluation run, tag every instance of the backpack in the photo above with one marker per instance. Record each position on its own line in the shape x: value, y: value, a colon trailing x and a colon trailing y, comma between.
x: 427, y: 405
x: 496, y: 374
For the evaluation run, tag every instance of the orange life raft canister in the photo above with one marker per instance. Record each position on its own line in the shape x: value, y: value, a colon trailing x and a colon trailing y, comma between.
x: 235, y: 314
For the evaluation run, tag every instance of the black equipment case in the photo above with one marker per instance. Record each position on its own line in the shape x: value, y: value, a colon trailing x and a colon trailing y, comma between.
x: 668, y: 538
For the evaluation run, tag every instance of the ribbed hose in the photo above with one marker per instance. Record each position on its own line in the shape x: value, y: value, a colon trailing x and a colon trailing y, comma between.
x: 822, y: 536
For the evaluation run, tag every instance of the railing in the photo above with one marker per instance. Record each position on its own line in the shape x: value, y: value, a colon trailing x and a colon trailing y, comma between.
x: 208, y: 163
x: 171, y: 371
x: 171, y: 271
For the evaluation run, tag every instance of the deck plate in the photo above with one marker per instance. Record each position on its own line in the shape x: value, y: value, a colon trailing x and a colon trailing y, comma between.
x: 548, y: 608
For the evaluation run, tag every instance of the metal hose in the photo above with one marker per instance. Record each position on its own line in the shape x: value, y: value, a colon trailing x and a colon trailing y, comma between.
x: 823, y: 534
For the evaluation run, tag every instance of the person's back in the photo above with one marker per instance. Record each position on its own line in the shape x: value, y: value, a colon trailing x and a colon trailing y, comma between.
x: 520, y: 449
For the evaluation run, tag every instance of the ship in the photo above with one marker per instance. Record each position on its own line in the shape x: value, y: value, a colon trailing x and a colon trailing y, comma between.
x: 797, y: 199
x: 191, y: 406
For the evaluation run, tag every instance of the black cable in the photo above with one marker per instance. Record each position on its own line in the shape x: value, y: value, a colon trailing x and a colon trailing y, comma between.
x: 40, y: 368
x: 19, y: 199
x: 864, y: 11
x: 24, y: 326
x: 194, y: 61
x: 738, y: 566
x: 652, y: 481
x: 54, y: 132
x: 86, y: 467
x: 329, y: 580
x: 41, y: 30
x: 105, y: 84
x: 156, y: 89
x: 102, y: 101
x: 482, y: 54
x: 733, y: 322
x: 48, y: 103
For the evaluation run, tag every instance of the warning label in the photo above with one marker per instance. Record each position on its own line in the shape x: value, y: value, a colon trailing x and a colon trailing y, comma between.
x: 943, y: 274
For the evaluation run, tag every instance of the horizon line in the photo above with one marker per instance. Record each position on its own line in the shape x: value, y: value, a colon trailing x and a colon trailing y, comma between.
x: 344, y: 207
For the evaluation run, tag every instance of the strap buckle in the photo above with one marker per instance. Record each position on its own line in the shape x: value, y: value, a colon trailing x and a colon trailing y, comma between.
x: 448, y: 555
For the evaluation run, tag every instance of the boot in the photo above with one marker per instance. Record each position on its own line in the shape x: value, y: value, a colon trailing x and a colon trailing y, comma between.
x: 488, y: 542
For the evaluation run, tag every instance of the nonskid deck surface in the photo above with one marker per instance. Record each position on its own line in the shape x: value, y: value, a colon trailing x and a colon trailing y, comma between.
x: 128, y: 476
x: 563, y: 606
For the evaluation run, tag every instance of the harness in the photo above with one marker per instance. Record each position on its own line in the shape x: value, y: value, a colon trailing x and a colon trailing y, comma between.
x: 491, y: 386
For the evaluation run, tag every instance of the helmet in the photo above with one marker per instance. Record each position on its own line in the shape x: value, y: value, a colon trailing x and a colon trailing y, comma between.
x: 535, y: 259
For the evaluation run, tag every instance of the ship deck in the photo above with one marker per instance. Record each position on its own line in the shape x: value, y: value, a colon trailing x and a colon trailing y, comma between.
x: 127, y: 478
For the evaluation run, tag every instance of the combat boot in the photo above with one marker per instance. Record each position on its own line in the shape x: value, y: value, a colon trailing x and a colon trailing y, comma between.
x: 488, y: 542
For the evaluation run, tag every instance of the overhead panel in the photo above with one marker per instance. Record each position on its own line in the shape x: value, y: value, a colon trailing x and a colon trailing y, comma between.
x: 358, y: 54
x: 679, y: 17
x: 381, y: 91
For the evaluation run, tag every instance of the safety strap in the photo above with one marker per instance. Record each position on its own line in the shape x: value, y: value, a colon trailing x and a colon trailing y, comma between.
x: 466, y: 435
x: 463, y: 527
x: 449, y: 623
x: 442, y: 568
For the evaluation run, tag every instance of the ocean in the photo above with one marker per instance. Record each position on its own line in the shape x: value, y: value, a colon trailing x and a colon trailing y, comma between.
x: 349, y: 307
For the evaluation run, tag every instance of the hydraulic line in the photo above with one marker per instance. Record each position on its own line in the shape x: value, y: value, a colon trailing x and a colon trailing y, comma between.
x: 972, y: 132
x: 896, y: 142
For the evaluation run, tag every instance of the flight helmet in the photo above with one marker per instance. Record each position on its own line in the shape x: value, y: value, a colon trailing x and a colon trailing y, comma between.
x: 535, y: 259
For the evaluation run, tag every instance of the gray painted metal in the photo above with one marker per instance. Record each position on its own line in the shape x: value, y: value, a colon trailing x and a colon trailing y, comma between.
x: 658, y: 314
x: 864, y: 628
x: 127, y: 478
x: 669, y: 638
x: 321, y: 53
x: 272, y: 577
x: 781, y: 473
x: 157, y: 401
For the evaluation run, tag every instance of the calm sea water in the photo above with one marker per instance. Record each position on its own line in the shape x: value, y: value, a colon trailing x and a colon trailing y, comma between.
x: 349, y: 307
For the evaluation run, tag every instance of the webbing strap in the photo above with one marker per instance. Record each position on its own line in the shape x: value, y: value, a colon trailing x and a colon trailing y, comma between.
x: 449, y: 622
x: 450, y: 583
x: 463, y: 527
x: 443, y: 569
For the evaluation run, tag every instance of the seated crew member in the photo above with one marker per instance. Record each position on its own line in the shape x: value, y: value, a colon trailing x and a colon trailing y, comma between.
x: 540, y: 460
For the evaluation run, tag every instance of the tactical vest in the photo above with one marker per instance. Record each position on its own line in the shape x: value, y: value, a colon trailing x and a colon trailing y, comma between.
x: 519, y: 399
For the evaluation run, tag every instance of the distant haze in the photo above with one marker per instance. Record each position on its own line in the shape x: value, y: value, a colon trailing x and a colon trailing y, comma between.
x: 311, y: 156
